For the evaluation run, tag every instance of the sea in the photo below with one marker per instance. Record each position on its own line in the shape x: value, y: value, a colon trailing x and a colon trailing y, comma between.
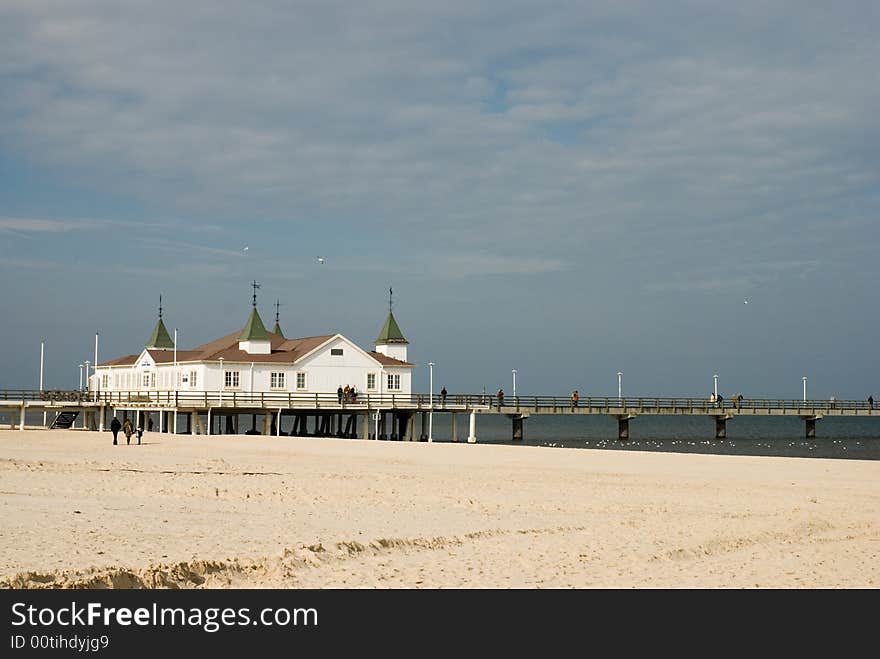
x: 850, y: 438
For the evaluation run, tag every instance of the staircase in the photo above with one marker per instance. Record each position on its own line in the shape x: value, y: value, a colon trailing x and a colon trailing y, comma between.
x: 64, y: 420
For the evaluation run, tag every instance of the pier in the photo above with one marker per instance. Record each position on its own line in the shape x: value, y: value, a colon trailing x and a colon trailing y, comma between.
x: 391, y: 417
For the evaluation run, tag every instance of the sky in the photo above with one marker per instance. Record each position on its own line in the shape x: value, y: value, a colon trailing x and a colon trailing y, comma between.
x: 569, y: 189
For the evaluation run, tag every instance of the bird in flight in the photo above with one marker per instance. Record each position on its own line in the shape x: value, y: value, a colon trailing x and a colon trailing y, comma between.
x: 320, y: 259
x: 746, y: 301
x: 245, y: 248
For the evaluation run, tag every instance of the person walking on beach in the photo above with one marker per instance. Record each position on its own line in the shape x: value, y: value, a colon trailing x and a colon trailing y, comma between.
x: 115, y: 427
x: 150, y: 424
x: 140, y: 432
x: 443, y: 397
x: 128, y: 430
x: 339, y: 394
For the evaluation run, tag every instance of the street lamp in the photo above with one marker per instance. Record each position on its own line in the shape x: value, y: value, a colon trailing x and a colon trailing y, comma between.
x: 514, y: 382
x: 716, y: 385
x: 41, y: 375
x: 176, y: 380
x: 87, y: 375
x: 431, y: 413
x: 619, y: 385
x: 805, y: 388
x: 80, y: 377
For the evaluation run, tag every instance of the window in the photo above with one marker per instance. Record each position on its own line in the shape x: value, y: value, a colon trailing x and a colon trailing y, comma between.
x: 335, y: 351
x: 230, y: 379
x: 153, y: 380
x: 146, y: 380
x: 192, y: 379
x: 300, y: 380
x: 116, y: 380
x: 371, y: 381
x: 276, y: 380
x: 393, y: 382
x: 105, y: 381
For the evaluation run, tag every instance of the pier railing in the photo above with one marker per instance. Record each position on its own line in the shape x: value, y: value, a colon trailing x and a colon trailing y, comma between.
x: 420, y: 401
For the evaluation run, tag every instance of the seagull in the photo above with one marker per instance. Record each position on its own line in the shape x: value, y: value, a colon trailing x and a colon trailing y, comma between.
x: 746, y: 301
x: 320, y: 259
x: 245, y: 248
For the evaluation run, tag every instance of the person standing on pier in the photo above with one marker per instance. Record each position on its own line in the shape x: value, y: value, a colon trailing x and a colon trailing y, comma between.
x: 339, y: 394
x: 443, y: 397
x: 870, y: 402
x: 115, y: 427
x: 575, y: 397
x: 500, y: 396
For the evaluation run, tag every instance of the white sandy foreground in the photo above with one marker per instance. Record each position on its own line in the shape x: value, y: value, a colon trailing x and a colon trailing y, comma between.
x: 313, y: 513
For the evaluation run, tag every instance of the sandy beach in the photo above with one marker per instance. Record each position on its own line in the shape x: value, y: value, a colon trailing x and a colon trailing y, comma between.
x: 254, y: 512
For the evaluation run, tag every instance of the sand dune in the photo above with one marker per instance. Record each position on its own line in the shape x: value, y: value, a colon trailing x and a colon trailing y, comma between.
x: 254, y: 512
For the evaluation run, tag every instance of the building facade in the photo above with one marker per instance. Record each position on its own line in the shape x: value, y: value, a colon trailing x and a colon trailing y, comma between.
x: 255, y: 360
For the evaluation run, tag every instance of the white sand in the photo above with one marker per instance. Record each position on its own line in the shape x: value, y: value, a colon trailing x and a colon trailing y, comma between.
x: 267, y: 512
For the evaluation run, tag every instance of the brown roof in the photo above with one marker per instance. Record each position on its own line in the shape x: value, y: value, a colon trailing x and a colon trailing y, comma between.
x: 388, y: 361
x: 283, y: 351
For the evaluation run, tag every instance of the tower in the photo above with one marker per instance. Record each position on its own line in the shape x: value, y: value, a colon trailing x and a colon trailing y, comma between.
x: 391, y: 341
x: 254, y: 339
x: 160, y: 339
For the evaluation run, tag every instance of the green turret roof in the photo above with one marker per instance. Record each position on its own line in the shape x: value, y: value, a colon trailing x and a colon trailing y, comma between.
x: 160, y: 338
x: 277, y: 330
x: 254, y: 330
x: 390, y: 332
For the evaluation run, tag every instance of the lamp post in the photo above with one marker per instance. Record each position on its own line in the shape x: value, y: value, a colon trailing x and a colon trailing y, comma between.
x: 716, y: 385
x: 619, y: 385
x: 222, y: 381
x: 514, y: 382
x: 431, y: 413
x: 41, y: 375
x: 176, y: 375
x: 87, y: 375
x: 80, y: 377
x: 95, y: 365
x: 805, y: 388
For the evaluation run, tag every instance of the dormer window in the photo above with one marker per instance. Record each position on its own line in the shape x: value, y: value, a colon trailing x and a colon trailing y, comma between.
x: 336, y: 351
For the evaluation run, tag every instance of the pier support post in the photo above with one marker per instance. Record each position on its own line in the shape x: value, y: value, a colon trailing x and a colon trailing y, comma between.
x: 423, y: 436
x: 100, y: 425
x: 21, y: 418
x: 365, y: 426
x: 517, y: 428
x: 810, y: 427
x: 454, y: 427
x: 720, y: 427
x: 472, y: 434
x: 411, y: 428
x: 382, y: 433
x: 623, y: 427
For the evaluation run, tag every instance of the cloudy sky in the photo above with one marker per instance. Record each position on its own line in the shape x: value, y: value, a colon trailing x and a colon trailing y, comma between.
x: 570, y: 189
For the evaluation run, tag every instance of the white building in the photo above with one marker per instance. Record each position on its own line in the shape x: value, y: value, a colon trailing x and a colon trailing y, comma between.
x: 254, y: 360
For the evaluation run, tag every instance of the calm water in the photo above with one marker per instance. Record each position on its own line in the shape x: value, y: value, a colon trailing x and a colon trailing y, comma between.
x: 853, y: 438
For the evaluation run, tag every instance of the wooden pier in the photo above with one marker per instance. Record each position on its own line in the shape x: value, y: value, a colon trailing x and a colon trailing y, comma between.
x: 380, y: 416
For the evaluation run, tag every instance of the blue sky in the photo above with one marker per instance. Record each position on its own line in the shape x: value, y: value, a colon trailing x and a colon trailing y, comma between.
x: 570, y: 189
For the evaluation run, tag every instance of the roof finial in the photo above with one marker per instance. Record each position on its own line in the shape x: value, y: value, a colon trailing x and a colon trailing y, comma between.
x: 390, y: 299
x: 277, y: 306
x: 256, y: 286
x: 160, y: 306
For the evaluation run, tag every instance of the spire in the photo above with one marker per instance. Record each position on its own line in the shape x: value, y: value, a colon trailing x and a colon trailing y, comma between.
x: 254, y: 330
x: 160, y: 337
x: 390, y: 332
x: 277, y: 329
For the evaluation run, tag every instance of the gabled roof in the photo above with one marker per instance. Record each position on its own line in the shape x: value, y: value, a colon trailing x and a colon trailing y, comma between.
x: 385, y: 360
x: 160, y: 337
x: 390, y: 332
x: 277, y: 329
x: 254, y: 330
